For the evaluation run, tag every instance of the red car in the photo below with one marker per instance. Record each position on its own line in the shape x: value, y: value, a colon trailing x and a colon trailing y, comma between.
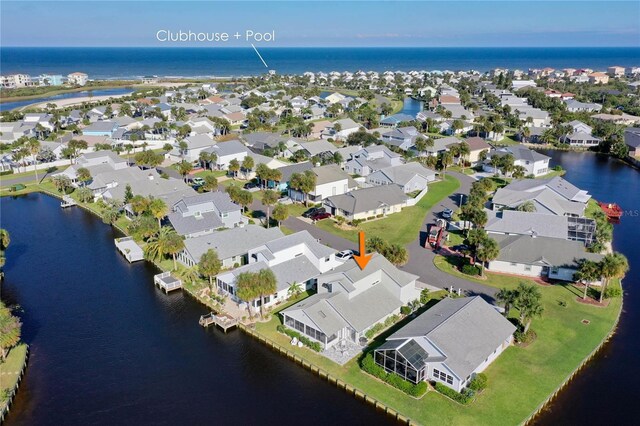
x: 320, y: 216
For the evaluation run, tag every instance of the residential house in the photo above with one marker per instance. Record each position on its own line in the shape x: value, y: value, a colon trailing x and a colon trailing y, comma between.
x: 372, y: 158
x: 549, y: 196
x: 513, y: 222
x: 194, y: 146
x: 351, y: 300
x: 77, y: 78
x: 321, y: 148
x: 286, y: 172
x: 232, y: 245
x: 410, y: 177
x: 294, y: 259
x: 204, y: 213
x: 101, y: 128
x: 346, y: 125
x: 598, y: 78
x: 395, y: 119
x: 476, y: 146
x: 367, y: 203
x: 228, y: 151
x: 330, y: 180
x: 450, y: 343
x: 577, y: 106
x: 632, y: 140
x: 441, y: 145
x: 534, y: 163
x: 401, y: 137
x: 544, y: 257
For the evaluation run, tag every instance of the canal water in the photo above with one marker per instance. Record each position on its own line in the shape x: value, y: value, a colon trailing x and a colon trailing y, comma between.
x: 606, y: 391
x: 6, y: 106
x: 109, y: 348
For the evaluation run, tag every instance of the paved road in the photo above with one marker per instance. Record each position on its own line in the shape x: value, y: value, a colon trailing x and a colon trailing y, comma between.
x: 420, y: 259
x: 7, y: 180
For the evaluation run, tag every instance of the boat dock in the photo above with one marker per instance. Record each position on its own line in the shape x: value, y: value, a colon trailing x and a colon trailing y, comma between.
x: 225, y: 322
x: 67, y: 201
x: 167, y: 282
x: 129, y: 249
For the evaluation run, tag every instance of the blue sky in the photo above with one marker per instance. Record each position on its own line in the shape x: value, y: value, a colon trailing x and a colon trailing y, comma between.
x: 357, y: 23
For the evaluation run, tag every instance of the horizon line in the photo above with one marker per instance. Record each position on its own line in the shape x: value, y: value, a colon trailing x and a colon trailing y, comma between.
x: 321, y: 47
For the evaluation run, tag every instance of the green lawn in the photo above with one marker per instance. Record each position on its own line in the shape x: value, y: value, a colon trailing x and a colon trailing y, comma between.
x: 519, y: 380
x: 216, y: 173
x: 12, y: 365
x: 399, y: 228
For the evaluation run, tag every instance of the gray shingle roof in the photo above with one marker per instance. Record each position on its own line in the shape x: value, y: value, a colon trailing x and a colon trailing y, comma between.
x: 186, y: 225
x: 542, y: 251
x: 467, y: 330
x: 524, y: 223
x: 367, y: 199
x: 302, y: 237
x: 231, y: 242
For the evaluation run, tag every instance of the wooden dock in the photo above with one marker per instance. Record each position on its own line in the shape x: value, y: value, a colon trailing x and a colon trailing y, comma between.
x: 129, y: 249
x: 225, y: 322
x: 67, y: 201
x: 167, y: 282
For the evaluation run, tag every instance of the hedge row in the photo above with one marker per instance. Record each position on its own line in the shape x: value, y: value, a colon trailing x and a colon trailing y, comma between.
x: 369, y: 365
x: 305, y: 341
x: 464, y: 397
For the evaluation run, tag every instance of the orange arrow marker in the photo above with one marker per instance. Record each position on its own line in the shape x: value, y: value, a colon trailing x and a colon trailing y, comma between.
x: 362, y: 258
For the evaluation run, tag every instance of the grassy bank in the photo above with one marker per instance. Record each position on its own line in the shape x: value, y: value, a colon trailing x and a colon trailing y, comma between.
x: 26, y: 93
x: 11, y: 369
x: 399, y: 228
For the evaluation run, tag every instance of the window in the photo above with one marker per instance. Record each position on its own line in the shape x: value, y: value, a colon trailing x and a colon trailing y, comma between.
x: 444, y: 377
x: 224, y: 215
x: 555, y: 270
x: 527, y: 267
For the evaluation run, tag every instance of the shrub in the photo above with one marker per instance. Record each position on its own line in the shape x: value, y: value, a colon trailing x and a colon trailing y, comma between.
x: 468, y: 269
x: 405, y: 310
x: 463, y: 398
x: 611, y: 292
x: 479, y: 382
x: 424, y: 296
x: 371, y: 217
x: 369, y: 365
x: 356, y: 222
x: 6, y: 172
x: 378, y: 216
x: 377, y: 328
x: 558, y: 168
x: 525, y: 338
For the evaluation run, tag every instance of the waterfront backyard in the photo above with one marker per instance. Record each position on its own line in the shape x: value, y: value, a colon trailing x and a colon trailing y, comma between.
x: 520, y: 380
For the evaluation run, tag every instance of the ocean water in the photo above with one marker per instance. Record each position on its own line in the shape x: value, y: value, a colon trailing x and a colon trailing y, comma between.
x: 111, y: 63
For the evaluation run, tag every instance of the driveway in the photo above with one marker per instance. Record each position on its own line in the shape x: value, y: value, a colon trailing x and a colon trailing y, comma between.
x: 421, y: 259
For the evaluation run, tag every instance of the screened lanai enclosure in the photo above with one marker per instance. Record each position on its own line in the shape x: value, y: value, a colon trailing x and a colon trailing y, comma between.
x: 406, y: 358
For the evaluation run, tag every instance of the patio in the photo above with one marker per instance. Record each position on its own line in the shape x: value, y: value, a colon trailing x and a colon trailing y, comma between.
x: 342, y: 352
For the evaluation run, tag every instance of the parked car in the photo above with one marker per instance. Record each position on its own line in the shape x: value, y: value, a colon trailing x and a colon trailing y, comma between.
x: 198, y: 181
x: 250, y: 185
x: 320, y: 216
x: 344, y: 255
x: 447, y: 213
x: 313, y: 211
x: 460, y: 248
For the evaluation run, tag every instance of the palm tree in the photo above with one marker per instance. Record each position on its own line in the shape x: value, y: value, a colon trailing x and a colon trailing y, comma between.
x: 10, y: 330
x: 507, y: 297
x: 446, y: 159
x: 280, y: 213
x: 269, y: 198
x: 33, y: 145
x: 204, y: 159
x: 166, y: 242
x: 210, y: 183
x: 184, y: 168
x: 463, y: 151
x: 614, y: 265
x: 487, y: 251
x: 83, y: 175
x: 209, y: 265
x: 527, y: 206
x: 588, y: 272
x: 158, y: 209
x: 267, y: 284
x: 247, y: 165
x: 5, y: 240
x: 246, y: 289
x: 294, y: 289
x: 529, y: 302
x: 234, y: 166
